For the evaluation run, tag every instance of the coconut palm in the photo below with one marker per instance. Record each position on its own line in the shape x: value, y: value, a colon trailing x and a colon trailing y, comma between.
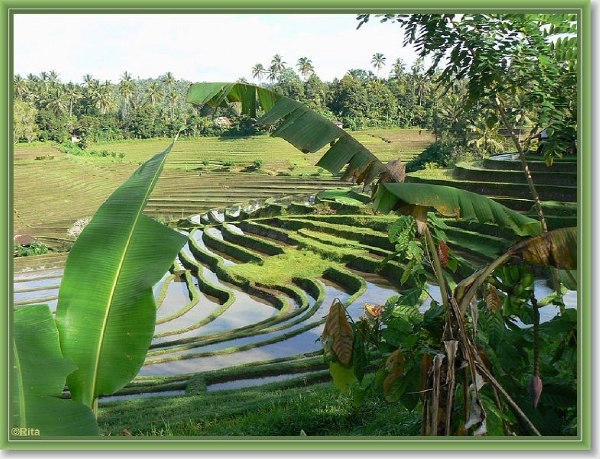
x: 305, y: 67
x: 378, y: 61
x: 259, y: 72
x: 277, y: 67
x: 57, y: 102
x: 73, y: 93
x: 127, y: 90
x: 172, y: 97
x: 154, y: 92
x: 104, y: 97
x: 398, y: 68
x: 168, y: 79
x: 20, y: 87
x: 88, y: 80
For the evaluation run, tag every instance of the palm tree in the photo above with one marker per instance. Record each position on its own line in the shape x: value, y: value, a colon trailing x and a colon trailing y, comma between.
x: 418, y: 80
x: 172, y: 97
x: 154, y: 92
x: 127, y: 90
x: 104, y: 97
x: 168, y: 79
x: 57, y: 102
x: 398, y: 68
x: 305, y: 67
x: 259, y: 72
x: 73, y: 93
x: 20, y: 87
x: 378, y: 61
x: 88, y: 79
x: 277, y: 66
x: 53, y: 79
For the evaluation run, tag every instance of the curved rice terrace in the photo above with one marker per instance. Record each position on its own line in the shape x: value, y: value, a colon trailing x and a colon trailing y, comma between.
x: 246, y: 299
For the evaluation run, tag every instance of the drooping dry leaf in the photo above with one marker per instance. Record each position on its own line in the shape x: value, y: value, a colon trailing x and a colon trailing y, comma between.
x: 395, y: 171
x: 443, y: 253
x: 492, y: 298
x: 373, y: 311
x: 477, y: 417
x: 474, y: 314
x: 338, y: 335
x: 395, y: 365
x: 426, y: 362
x: 556, y: 248
x: 419, y: 213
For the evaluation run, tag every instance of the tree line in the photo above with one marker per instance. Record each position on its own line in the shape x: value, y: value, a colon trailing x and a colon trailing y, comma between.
x: 452, y: 101
x: 46, y: 109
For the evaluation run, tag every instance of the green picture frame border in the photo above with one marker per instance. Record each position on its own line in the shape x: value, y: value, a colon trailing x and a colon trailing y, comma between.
x: 582, y: 442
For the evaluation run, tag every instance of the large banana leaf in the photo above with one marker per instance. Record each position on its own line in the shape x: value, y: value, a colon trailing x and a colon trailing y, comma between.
x: 106, y: 309
x: 302, y: 127
x: 452, y: 202
x: 309, y: 132
x: 39, y: 374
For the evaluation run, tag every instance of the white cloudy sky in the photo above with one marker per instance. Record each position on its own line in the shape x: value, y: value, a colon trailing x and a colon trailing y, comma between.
x: 198, y: 47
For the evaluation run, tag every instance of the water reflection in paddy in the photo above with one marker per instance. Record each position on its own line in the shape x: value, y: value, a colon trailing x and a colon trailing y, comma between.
x: 305, y: 342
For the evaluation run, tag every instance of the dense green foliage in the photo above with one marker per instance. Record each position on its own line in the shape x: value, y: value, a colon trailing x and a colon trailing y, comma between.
x: 403, y: 339
x: 49, y: 110
x: 518, y: 69
x: 35, y: 248
x: 439, y: 154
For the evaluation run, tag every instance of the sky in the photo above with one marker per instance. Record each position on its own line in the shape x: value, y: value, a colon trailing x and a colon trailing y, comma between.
x: 199, y: 47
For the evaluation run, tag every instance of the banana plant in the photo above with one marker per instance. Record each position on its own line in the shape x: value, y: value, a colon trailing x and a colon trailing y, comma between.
x: 106, y: 309
x: 105, y: 315
x: 309, y: 132
x: 38, y: 379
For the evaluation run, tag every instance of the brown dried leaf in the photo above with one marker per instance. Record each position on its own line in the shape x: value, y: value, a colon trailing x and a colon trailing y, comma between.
x: 443, y: 253
x: 373, y: 311
x: 338, y: 335
x: 426, y: 362
x: 492, y: 298
x: 556, y: 248
x: 395, y: 365
x: 395, y: 171
x: 366, y: 175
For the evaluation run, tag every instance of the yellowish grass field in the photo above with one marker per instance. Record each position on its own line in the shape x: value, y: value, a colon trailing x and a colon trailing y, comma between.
x: 50, y: 194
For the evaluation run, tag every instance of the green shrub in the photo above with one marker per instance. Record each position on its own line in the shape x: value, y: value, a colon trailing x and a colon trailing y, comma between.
x: 438, y: 154
x: 35, y: 248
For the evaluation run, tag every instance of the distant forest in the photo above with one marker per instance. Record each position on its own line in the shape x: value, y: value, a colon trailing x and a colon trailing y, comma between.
x: 47, y: 109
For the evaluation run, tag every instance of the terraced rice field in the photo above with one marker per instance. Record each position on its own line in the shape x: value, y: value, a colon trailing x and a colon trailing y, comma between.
x: 207, y: 320
x: 228, y: 315
x: 51, y: 194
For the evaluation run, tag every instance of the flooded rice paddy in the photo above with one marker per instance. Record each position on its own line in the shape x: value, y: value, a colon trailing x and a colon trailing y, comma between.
x: 198, y: 332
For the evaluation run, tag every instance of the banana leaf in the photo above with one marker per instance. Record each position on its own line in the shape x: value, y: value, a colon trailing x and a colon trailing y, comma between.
x: 106, y: 310
x: 452, y: 202
x: 557, y: 248
x: 304, y: 128
x: 309, y: 132
x: 39, y: 374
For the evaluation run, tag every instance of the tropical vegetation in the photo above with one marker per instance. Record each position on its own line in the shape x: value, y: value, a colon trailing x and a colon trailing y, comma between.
x: 476, y: 362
